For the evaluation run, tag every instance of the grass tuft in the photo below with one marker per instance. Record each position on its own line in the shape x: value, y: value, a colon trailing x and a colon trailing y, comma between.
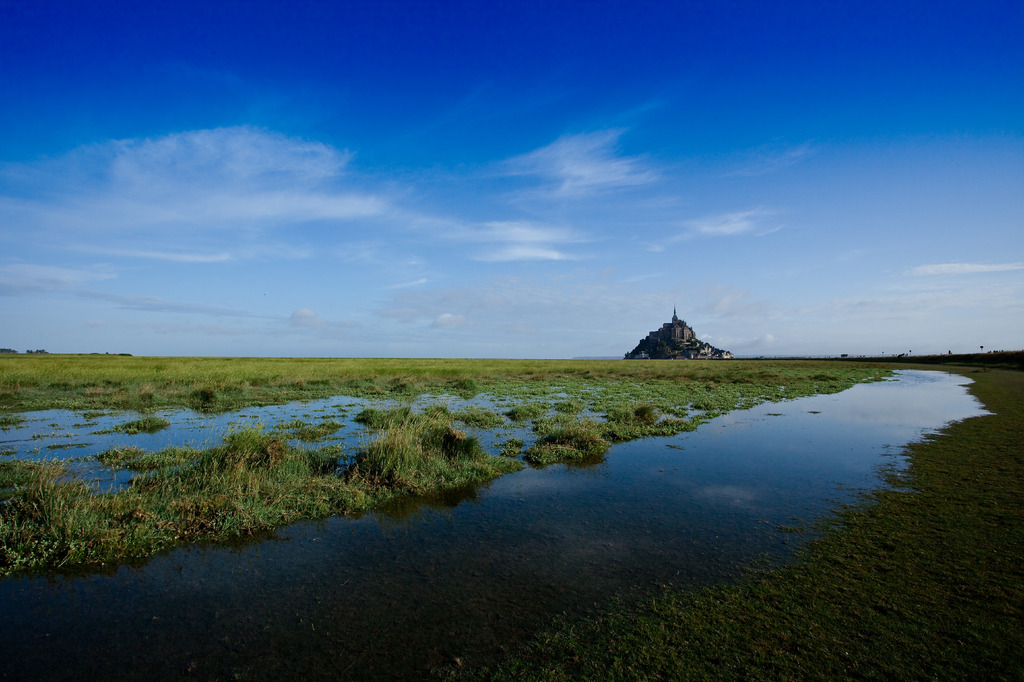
x: 526, y: 411
x: 575, y: 442
x: 144, y: 425
x: 417, y: 452
x: 137, y: 459
x: 512, y: 447
x: 307, y: 432
x: 480, y: 418
x: 9, y: 421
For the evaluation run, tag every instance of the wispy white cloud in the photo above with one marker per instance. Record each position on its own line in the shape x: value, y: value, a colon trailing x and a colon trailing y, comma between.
x: 514, y: 252
x: 157, y: 304
x: 406, y: 285
x: 771, y: 158
x: 304, y: 317
x: 309, y: 324
x: 524, y: 233
x: 580, y: 164
x: 171, y: 256
x: 731, y: 224
x: 239, y: 155
x: 964, y: 268
x: 449, y: 321
x: 25, y: 279
x: 30, y: 278
x: 241, y: 183
x: 521, y: 240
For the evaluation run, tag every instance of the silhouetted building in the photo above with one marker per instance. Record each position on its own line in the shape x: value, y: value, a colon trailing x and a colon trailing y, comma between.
x: 675, y: 340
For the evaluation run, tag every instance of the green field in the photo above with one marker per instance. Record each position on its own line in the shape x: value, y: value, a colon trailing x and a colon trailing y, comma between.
x: 101, y: 382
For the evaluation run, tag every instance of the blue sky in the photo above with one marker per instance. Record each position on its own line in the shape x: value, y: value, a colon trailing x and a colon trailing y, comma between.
x: 530, y: 179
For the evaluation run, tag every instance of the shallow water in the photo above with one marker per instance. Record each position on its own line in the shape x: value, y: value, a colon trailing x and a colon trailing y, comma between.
x: 414, y: 586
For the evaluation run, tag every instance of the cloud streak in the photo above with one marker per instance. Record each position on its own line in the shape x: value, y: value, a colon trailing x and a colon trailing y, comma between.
x: 578, y: 165
x: 194, y: 185
x: 524, y: 241
x: 28, y: 278
x: 731, y: 224
x: 769, y: 159
x: 963, y: 268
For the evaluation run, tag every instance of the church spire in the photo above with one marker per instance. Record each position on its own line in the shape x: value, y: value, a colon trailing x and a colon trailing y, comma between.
x: 674, y: 316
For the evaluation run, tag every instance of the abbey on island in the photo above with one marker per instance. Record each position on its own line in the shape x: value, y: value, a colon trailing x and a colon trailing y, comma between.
x: 675, y: 340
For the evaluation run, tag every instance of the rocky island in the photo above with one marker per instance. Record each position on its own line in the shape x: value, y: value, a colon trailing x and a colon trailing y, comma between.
x: 675, y: 340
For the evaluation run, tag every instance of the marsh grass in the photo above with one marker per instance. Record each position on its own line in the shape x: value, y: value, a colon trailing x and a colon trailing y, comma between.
x: 571, y: 406
x: 577, y: 441
x: 416, y: 452
x: 308, y: 432
x: 527, y: 411
x: 137, y: 459
x: 148, y: 424
x: 255, y: 482
x: 203, y: 399
x: 379, y: 418
x: 512, y: 447
x: 99, y: 382
x: 14, y: 473
x: 252, y: 483
x: 632, y: 421
x: 478, y: 417
x: 10, y: 421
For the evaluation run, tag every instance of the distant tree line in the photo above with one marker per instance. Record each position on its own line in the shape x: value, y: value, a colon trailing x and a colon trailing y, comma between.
x: 38, y: 351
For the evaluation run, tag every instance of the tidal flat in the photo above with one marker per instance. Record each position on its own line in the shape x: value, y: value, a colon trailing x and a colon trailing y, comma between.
x: 918, y: 579
x: 475, y: 564
x: 258, y: 478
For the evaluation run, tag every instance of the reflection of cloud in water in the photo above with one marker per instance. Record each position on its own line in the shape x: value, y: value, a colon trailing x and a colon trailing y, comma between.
x: 917, y: 400
x: 910, y: 399
x: 732, y: 495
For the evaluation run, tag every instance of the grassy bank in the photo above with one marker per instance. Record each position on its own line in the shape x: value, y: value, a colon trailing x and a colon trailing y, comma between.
x: 253, y: 483
x: 922, y: 581
x: 1003, y: 359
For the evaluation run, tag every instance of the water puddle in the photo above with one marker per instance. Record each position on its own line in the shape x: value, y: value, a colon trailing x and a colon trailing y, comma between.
x: 392, y: 594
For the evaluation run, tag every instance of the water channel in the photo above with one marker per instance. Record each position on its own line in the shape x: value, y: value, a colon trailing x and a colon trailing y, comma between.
x: 392, y: 594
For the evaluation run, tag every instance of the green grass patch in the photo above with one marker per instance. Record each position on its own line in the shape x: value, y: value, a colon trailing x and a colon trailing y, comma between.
x: 643, y: 414
x: 480, y: 418
x: 14, y: 473
x: 308, y: 432
x: 98, y: 383
x: 137, y: 459
x: 417, y: 452
x: 252, y: 483
x: 513, y: 447
x: 642, y: 420
x: 144, y: 425
x: 576, y: 442
x: 10, y: 421
x: 525, y: 412
x: 570, y: 406
x: 378, y: 418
